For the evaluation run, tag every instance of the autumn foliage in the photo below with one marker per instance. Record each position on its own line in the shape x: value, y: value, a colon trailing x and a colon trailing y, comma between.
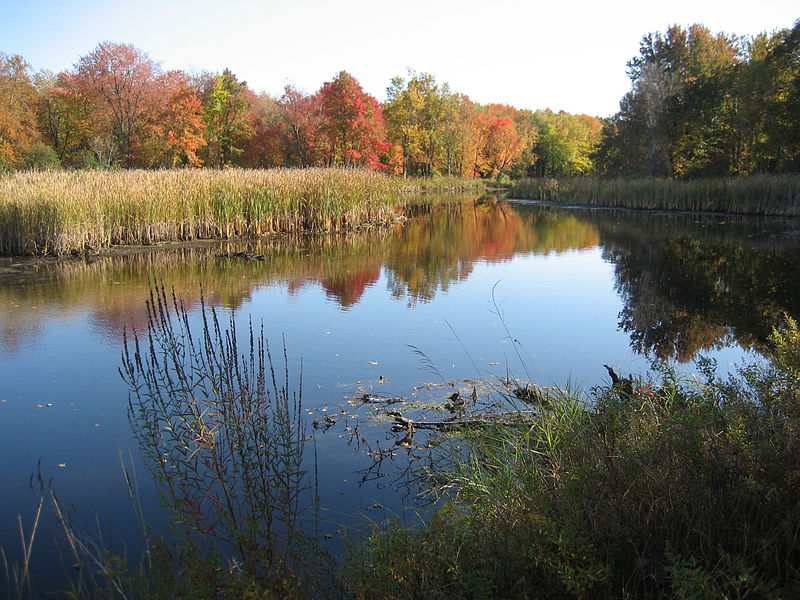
x: 118, y: 108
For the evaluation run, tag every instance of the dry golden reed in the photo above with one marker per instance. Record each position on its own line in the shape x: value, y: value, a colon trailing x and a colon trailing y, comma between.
x: 66, y: 211
x: 776, y: 195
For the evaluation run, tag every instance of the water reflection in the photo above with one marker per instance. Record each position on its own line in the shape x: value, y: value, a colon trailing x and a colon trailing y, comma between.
x: 444, y: 247
x: 420, y: 259
x: 698, y: 283
x: 580, y: 287
x: 688, y: 283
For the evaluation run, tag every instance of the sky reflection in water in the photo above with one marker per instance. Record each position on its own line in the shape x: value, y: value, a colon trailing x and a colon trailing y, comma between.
x: 576, y: 289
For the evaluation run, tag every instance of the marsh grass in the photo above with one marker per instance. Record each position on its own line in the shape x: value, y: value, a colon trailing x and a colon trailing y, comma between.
x: 672, y: 488
x: 68, y: 211
x: 777, y: 195
x: 17, y: 574
x: 446, y: 184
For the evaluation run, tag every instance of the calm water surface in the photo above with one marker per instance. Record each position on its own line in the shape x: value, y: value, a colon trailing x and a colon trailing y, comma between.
x: 575, y: 289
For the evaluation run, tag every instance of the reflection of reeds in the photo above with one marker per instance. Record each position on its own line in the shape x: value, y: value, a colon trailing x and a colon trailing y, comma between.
x: 421, y: 257
x: 56, y: 213
x: 222, y: 434
x: 753, y: 195
x: 17, y: 576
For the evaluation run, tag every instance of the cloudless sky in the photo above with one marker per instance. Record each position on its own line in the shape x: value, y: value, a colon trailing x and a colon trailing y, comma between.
x: 559, y: 54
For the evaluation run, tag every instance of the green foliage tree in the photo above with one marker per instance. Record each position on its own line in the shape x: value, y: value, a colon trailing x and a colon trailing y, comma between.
x: 780, y: 144
x: 225, y: 106
x: 418, y: 113
x: 41, y: 157
x: 565, y: 143
x: 63, y: 117
x: 707, y: 104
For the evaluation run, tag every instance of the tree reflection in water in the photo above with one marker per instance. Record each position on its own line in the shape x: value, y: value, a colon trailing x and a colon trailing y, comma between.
x: 689, y: 283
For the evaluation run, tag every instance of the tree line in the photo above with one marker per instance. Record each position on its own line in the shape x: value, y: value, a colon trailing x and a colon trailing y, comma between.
x: 706, y: 104
x: 118, y: 107
x: 700, y: 104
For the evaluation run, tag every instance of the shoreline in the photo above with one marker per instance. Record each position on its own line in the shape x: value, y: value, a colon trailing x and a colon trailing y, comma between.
x: 648, y: 211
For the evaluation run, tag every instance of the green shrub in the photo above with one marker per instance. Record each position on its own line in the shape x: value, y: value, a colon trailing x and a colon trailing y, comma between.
x: 42, y: 157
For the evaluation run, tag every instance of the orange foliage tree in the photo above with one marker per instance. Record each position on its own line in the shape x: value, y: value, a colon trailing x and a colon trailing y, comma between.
x: 18, y: 130
x: 174, y: 131
x: 182, y: 125
x: 120, y: 83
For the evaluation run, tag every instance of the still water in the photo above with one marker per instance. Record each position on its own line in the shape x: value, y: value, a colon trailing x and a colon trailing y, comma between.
x: 473, y: 290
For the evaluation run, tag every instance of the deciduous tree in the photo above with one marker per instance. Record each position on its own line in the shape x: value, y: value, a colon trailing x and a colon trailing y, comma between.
x: 18, y: 130
x: 352, y: 124
x: 120, y: 83
x: 226, y: 106
x: 63, y: 116
x: 301, y: 116
x: 417, y: 112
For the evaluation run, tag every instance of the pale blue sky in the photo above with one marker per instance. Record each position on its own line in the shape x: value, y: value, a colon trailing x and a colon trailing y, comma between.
x: 557, y: 54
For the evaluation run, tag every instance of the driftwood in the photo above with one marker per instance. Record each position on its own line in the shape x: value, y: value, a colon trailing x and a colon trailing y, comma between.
x: 532, y: 394
x: 241, y: 256
x: 402, y: 423
x: 373, y: 399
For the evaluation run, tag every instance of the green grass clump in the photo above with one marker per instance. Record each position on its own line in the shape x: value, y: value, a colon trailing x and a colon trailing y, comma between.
x: 66, y: 211
x: 675, y: 489
x: 777, y: 195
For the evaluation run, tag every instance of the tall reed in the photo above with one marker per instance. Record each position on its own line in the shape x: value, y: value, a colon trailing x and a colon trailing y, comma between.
x: 66, y: 211
x: 222, y: 434
x: 777, y: 195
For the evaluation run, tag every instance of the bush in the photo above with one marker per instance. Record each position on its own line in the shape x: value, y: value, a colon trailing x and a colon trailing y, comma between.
x: 42, y: 157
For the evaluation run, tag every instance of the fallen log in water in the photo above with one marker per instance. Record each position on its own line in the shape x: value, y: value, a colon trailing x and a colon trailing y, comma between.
x: 373, y: 399
x: 514, y: 418
x: 241, y: 256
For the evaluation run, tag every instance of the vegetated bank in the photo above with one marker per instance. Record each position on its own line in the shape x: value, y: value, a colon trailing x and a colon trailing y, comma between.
x: 675, y: 488
x: 62, y: 212
x: 775, y: 195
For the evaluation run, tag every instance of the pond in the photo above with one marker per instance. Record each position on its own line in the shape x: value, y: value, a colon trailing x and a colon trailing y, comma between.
x: 477, y: 291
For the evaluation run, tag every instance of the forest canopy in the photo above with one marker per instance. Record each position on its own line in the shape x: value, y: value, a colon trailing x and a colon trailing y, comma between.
x: 700, y: 103
x: 706, y: 104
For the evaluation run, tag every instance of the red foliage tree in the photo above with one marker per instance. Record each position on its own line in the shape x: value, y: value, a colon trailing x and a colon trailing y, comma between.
x: 302, y: 118
x: 265, y: 147
x: 352, y: 124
